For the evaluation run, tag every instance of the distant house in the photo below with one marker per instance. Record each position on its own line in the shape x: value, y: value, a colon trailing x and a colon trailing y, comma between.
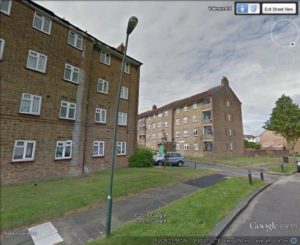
x: 251, y: 138
x: 271, y: 140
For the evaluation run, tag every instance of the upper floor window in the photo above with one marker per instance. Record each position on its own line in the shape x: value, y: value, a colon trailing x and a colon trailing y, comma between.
x: 194, y: 118
x: 196, y: 147
x: 30, y: 104
x: 124, y: 93
x: 24, y: 150
x: 5, y: 6
x: 185, y: 108
x: 206, y: 115
x: 166, y: 124
x: 75, y: 40
x: 153, y: 136
x: 177, y: 147
x: 227, y: 103
x: 177, y: 110
x: 195, y: 132
x: 186, y: 146
x: 177, y: 134
x: 153, y: 126
x: 159, y: 124
x: 229, y: 117
x: 122, y: 118
x: 207, y: 130
x: 127, y: 68
x: 121, y: 148
x: 71, y: 73
x: 208, y: 145
x: 63, y: 150
x: 149, y: 126
x: 102, y: 86
x: 185, y: 133
x: 105, y: 58
x: 67, y: 110
x: 166, y: 113
x: 195, y: 106
x: 177, y: 121
x: 41, y: 23
x: 2, y: 43
x: 100, y: 115
x: 159, y: 115
x: 230, y: 132
x: 98, y: 148
x: 36, y: 61
x: 185, y: 120
x: 231, y: 146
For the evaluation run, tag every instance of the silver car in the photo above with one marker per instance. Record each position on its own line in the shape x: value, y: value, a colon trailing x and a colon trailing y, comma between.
x: 173, y: 158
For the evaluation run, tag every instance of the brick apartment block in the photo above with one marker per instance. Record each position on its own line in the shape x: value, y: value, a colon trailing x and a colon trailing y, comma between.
x: 206, y: 124
x: 58, y: 90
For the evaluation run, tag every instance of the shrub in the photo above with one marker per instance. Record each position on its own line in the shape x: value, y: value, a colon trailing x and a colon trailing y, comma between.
x: 252, y: 145
x: 142, y: 158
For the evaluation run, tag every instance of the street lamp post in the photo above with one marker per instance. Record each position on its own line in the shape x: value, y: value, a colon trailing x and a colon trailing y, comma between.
x: 130, y: 27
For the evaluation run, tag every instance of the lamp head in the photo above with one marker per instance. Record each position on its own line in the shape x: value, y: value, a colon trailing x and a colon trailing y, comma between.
x: 131, y: 24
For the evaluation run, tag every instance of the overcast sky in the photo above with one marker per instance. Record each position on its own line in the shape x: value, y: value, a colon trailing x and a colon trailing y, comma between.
x: 186, y: 49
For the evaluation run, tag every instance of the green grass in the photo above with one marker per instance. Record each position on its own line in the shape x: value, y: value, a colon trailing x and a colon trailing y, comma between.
x: 238, y: 161
x: 194, y: 215
x: 26, y: 204
x: 288, y: 169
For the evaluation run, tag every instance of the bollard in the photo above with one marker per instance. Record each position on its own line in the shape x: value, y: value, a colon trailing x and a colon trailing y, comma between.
x: 282, y: 168
x: 250, y: 176
x: 262, y: 174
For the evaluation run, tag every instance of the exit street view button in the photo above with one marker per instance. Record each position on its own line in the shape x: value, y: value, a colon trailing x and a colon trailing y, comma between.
x: 280, y: 8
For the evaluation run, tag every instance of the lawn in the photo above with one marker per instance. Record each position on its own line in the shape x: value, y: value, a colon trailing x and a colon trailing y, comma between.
x: 288, y: 169
x: 239, y: 162
x: 194, y: 215
x: 26, y: 204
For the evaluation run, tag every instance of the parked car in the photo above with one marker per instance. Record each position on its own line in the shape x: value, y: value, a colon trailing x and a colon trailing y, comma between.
x: 158, y: 158
x: 298, y: 165
x: 170, y: 159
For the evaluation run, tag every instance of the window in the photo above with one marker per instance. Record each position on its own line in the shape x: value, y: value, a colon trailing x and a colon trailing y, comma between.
x: 30, y: 104
x: 159, y: 124
x: 177, y: 147
x: 122, y: 118
x: 206, y: 115
x: 159, y: 115
x: 195, y: 106
x: 166, y: 113
x: 102, y: 86
x: 231, y: 146
x: 166, y: 124
x: 186, y: 146
x: 230, y: 132
x: 227, y: 103
x: 41, y: 23
x: 71, y: 73
x: 24, y: 150
x: 63, y: 150
x: 207, y: 130
x: 98, y: 148
x: 75, y: 40
x: 67, y: 110
x: 185, y: 133
x: 177, y: 134
x: 153, y: 136
x: 2, y: 43
x: 153, y: 125
x: 127, y: 68
x: 105, y: 58
x: 100, y: 115
x: 208, y: 145
x: 177, y: 110
x: 185, y: 108
x: 177, y: 121
x: 195, y: 132
x: 194, y: 119
x: 228, y: 117
x: 124, y: 93
x: 121, y: 148
x: 185, y: 120
x: 149, y: 126
x: 36, y: 61
x: 159, y: 135
x: 196, y: 147
x: 206, y: 100
x: 154, y: 116
x: 5, y: 6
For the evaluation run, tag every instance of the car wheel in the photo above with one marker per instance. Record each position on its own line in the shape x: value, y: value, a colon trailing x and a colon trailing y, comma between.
x: 180, y: 164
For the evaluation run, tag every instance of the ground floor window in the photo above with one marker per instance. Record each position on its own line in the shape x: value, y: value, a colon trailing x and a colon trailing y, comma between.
x: 121, y: 148
x: 208, y: 145
x: 24, y: 150
x: 177, y: 147
x: 63, y: 149
x: 196, y: 147
x: 98, y: 148
x: 186, y: 146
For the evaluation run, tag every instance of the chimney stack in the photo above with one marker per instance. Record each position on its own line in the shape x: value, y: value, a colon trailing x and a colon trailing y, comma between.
x: 224, y: 81
x: 154, y: 107
x: 121, y: 48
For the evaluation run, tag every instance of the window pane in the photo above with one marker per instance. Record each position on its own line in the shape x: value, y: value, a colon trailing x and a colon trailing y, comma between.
x: 36, y: 103
x: 95, y: 150
x: 68, y: 151
x: 63, y: 111
x: 71, y: 113
x: 29, y: 150
x: 37, y: 22
x: 67, y: 73
x: 97, y: 117
x: 103, y: 115
x: 18, y: 152
x: 101, y: 148
x: 59, y: 151
x: 79, y: 43
x: 72, y: 38
x: 42, y: 61
x: 47, y: 25
x: 25, y: 106
x: 75, y: 76
x: 32, y: 61
x: 4, y: 5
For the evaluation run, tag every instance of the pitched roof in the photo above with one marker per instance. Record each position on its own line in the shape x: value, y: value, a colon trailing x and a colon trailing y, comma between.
x: 180, y: 103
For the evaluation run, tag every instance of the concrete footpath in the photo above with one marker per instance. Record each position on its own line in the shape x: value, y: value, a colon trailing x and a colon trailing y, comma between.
x: 77, y: 229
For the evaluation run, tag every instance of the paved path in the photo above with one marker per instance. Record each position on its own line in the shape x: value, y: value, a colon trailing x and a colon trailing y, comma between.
x: 78, y: 228
x: 274, y: 212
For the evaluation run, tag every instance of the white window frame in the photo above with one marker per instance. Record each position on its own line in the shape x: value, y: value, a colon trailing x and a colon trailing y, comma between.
x: 177, y: 110
x: 25, y: 145
x: 202, y: 116
x: 127, y: 68
x: 102, y: 81
x: 195, y: 106
x: 230, y: 132
x: 177, y: 121
x: 153, y: 126
x: 38, y: 56
x: 166, y: 113
x: 196, y: 147
x: 186, y: 146
x: 65, y: 144
x: 229, y: 117
x: 123, y: 148
x: 31, y: 99
x: 166, y: 125
x: 122, y: 118
x: 159, y: 115
x: 43, y: 19
x: 69, y: 105
x: 227, y: 103
x: 107, y: 58
x: 194, y: 119
x: 185, y: 108
x: 185, y: 133
x: 153, y: 136
x: 77, y: 37
x: 100, y: 111
x: 2, y: 48
x: 159, y: 124
x: 74, y: 70
x: 8, y: 10
x: 195, y: 132
x: 231, y: 146
x: 177, y: 147
x: 185, y: 120
x: 124, y: 93
x: 98, y: 144
x: 159, y: 136
x: 149, y: 126
x: 177, y: 134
